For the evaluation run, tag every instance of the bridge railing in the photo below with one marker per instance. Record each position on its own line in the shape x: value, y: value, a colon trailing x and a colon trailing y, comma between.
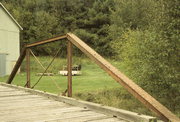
x: 150, y: 102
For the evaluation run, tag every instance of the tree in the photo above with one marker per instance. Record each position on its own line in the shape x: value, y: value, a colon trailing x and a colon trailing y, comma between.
x: 95, y: 26
x: 147, y: 42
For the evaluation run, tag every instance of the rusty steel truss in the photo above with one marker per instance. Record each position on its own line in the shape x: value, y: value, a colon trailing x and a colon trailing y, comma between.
x: 150, y: 102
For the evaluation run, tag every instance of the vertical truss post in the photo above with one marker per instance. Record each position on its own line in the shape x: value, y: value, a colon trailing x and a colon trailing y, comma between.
x: 28, y: 67
x: 69, y: 68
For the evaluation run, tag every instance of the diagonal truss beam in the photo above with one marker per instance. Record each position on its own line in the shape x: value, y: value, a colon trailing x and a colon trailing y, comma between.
x: 46, y: 69
x: 17, y: 65
x: 133, y: 88
x: 55, y: 82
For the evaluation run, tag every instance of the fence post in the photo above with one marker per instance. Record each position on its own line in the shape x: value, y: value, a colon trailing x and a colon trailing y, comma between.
x: 69, y: 68
x: 28, y: 67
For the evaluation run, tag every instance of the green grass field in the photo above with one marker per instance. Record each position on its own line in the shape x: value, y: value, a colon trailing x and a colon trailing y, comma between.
x: 93, y: 78
x: 93, y: 85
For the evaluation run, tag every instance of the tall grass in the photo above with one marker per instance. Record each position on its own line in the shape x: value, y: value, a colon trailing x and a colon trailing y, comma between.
x: 115, y: 97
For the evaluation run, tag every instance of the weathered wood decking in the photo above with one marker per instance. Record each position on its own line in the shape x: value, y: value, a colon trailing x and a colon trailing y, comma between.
x: 22, y: 105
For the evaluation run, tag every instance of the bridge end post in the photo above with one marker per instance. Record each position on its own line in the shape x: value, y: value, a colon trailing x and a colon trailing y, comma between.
x: 17, y: 65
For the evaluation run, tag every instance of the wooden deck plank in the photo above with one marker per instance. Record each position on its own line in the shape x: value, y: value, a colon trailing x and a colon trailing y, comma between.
x: 21, y: 100
x: 21, y: 105
x: 60, y: 115
x: 7, y: 90
x: 29, y: 109
x: 78, y: 119
x: 39, y: 111
x: 108, y: 120
x: 14, y: 92
x: 41, y: 114
x: 89, y: 118
x: 12, y: 95
x: 20, y: 97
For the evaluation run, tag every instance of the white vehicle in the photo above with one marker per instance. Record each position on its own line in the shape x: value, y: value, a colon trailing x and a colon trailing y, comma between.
x: 65, y: 73
x: 75, y: 70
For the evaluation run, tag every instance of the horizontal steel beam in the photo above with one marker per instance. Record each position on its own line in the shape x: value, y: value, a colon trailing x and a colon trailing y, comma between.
x: 46, y: 41
x: 133, y: 88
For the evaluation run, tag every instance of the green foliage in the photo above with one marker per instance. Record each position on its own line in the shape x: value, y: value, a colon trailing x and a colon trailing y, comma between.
x: 42, y: 19
x: 132, y: 15
x: 94, y: 28
x: 148, y: 44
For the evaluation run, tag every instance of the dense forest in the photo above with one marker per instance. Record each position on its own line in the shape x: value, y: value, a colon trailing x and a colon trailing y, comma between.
x: 143, y: 34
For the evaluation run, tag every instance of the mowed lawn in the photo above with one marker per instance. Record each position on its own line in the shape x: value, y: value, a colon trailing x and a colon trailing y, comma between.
x: 94, y: 85
x: 93, y: 78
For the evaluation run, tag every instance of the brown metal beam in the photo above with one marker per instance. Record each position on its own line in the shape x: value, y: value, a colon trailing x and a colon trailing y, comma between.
x: 69, y: 68
x: 133, y: 88
x: 16, y: 67
x: 23, y: 53
x: 46, y: 41
x: 28, y: 67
